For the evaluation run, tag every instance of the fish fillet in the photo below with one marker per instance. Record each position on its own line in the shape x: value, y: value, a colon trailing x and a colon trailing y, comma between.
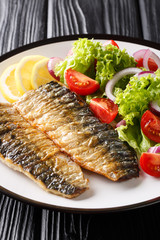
x: 30, y: 151
x: 68, y: 121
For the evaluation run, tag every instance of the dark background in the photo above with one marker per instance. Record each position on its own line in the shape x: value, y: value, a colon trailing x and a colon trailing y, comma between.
x: 27, y: 21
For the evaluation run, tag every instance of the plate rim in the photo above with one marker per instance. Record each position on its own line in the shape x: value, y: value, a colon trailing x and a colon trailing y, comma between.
x: 47, y: 41
x: 44, y: 42
x: 47, y: 206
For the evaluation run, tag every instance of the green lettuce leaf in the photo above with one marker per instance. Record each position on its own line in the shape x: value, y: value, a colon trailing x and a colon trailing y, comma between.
x: 133, y: 102
x: 135, y: 137
x: 82, y: 60
x: 110, y: 61
x: 88, y: 54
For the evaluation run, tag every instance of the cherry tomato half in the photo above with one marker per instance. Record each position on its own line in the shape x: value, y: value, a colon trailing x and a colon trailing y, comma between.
x: 150, y: 163
x: 150, y: 125
x: 80, y: 83
x: 112, y: 42
x: 105, y: 109
x: 139, y: 62
x: 152, y: 65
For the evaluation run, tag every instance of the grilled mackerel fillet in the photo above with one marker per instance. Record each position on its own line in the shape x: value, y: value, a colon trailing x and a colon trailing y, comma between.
x: 68, y: 121
x: 28, y: 150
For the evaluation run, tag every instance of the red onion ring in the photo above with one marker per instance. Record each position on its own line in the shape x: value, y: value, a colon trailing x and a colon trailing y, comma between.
x: 154, y: 149
x: 154, y: 108
x: 139, y: 54
x: 70, y: 52
x: 146, y: 73
x: 122, y: 122
x: 51, y: 66
x: 149, y: 54
x: 111, y: 83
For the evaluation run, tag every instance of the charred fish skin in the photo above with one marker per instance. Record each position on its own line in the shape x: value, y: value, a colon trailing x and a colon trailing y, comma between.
x: 68, y: 121
x: 28, y: 150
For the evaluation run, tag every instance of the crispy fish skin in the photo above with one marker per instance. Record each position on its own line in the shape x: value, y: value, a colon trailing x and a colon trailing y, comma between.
x: 28, y: 150
x: 68, y: 121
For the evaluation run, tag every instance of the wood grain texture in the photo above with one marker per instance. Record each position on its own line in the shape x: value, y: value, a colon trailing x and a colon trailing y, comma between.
x: 99, y: 16
x: 150, y: 18
x: 16, y: 220
x: 21, y: 22
x: 65, y: 226
x: 26, y: 21
x: 65, y: 17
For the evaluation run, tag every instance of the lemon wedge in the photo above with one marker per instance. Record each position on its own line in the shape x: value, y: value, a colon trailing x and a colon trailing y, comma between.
x: 8, y: 84
x: 23, y: 72
x: 40, y: 74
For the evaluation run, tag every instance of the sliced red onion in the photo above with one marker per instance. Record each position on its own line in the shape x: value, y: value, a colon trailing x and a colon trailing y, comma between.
x: 146, y: 73
x: 70, y: 52
x: 122, y: 122
x: 154, y: 149
x: 111, y: 83
x: 51, y: 66
x: 139, y: 54
x: 149, y: 54
x: 154, y: 108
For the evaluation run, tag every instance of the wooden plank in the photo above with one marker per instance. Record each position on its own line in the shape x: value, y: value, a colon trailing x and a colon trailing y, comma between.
x: 56, y: 225
x: 65, y: 17
x: 21, y: 22
x: 25, y: 21
x: 101, y: 16
x: 16, y: 220
x: 150, y: 17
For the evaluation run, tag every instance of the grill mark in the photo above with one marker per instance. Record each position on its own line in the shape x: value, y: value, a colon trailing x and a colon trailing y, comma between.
x: 67, y: 114
x: 29, y: 162
x: 16, y: 146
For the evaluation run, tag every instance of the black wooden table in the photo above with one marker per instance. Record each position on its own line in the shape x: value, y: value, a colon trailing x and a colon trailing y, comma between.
x: 26, y: 21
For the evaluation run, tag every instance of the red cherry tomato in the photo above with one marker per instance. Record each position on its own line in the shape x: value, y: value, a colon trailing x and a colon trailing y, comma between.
x: 150, y: 125
x: 150, y: 163
x: 152, y: 65
x: 139, y: 62
x: 80, y: 83
x: 105, y: 109
x: 112, y: 42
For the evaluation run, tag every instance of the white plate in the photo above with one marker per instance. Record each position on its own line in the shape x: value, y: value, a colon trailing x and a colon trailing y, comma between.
x: 103, y: 194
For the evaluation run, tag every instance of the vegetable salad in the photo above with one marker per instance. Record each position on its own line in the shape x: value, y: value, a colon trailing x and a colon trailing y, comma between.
x: 91, y: 63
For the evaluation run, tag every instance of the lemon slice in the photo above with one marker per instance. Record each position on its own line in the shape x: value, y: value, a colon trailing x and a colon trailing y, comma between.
x: 23, y: 72
x: 40, y: 74
x: 8, y: 84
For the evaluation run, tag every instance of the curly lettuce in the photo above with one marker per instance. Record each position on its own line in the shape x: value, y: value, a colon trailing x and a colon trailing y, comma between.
x: 135, y: 137
x: 82, y: 60
x: 89, y: 54
x: 133, y: 102
x: 110, y: 61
